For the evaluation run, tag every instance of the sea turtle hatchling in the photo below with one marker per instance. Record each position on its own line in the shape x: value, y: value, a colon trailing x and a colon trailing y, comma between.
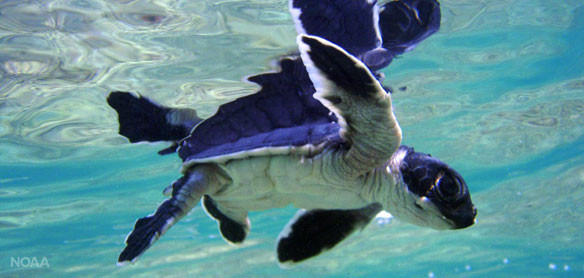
x: 320, y: 134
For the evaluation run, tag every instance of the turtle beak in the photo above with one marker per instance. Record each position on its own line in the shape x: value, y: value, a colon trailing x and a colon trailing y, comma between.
x: 464, y: 217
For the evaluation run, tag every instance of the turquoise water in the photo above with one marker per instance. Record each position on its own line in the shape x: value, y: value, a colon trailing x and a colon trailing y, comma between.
x: 498, y: 94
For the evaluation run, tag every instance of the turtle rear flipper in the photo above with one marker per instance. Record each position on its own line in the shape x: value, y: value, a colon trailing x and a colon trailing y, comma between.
x: 147, y: 230
x: 312, y: 232
x: 186, y: 193
x: 141, y: 119
x: 233, y: 224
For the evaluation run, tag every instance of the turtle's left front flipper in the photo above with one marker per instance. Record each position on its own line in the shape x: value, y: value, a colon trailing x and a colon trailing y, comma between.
x: 312, y: 232
x: 142, y: 119
x: 364, y: 109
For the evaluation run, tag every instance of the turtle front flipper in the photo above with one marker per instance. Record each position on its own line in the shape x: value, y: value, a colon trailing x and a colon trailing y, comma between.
x: 142, y: 119
x: 346, y: 87
x: 312, y: 232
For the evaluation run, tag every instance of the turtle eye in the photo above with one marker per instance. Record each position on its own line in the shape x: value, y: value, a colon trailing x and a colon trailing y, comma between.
x: 449, y: 188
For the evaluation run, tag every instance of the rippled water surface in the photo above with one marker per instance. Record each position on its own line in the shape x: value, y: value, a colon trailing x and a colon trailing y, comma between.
x: 498, y: 93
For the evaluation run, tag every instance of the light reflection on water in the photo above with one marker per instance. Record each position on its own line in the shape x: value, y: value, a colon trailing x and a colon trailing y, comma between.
x: 497, y: 94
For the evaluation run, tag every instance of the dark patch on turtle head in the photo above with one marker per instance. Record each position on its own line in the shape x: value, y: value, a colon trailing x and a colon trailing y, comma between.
x: 434, y: 181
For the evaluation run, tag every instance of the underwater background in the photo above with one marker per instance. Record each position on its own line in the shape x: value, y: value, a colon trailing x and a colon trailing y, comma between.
x: 497, y: 93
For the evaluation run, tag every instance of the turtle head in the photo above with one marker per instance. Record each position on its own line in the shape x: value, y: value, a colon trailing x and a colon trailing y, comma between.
x: 435, y: 194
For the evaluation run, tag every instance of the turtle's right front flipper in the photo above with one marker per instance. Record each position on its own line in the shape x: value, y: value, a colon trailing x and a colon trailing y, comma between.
x: 141, y: 119
x: 346, y: 87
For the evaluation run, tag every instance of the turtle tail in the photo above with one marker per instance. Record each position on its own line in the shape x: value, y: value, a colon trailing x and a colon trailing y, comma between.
x: 148, y: 229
